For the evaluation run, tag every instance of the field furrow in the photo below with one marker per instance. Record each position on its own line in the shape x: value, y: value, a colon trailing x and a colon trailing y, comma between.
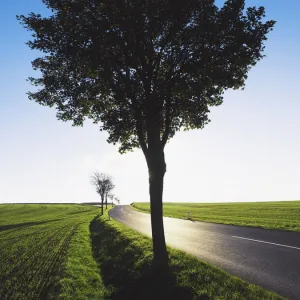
x: 33, y: 251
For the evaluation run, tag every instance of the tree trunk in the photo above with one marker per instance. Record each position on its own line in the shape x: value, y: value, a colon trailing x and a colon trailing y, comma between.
x: 106, y: 202
x: 155, y: 157
x: 157, y: 168
x: 102, y: 201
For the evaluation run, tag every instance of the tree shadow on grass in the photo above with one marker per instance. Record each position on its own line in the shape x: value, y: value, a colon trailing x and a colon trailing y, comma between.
x: 23, y: 225
x: 125, y: 270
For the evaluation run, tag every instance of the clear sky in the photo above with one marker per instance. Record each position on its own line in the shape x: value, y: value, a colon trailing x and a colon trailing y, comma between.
x: 249, y: 152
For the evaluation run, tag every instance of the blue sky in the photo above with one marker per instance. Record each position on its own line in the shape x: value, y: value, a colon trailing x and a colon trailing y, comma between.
x: 249, y: 152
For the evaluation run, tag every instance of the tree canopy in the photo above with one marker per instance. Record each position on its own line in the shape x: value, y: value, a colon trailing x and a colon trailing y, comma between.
x: 127, y: 63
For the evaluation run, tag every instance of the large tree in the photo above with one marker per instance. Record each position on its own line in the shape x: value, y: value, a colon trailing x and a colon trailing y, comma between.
x: 143, y: 69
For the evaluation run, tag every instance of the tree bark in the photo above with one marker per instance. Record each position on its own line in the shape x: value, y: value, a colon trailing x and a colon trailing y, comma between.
x: 106, y: 201
x: 157, y: 168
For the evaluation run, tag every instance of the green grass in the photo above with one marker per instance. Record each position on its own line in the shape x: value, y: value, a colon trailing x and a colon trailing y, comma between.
x: 282, y: 215
x: 68, y: 252
x: 46, y: 253
x: 124, y: 258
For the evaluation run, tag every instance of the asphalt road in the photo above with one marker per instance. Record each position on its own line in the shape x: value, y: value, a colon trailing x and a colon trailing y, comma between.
x: 269, y: 258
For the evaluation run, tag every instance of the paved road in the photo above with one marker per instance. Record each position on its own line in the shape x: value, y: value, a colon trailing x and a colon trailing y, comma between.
x: 268, y: 258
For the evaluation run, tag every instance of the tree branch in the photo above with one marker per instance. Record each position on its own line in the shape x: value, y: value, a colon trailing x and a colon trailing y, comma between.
x: 141, y: 133
x: 137, y: 112
x: 167, y: 123
x: 168, y: 104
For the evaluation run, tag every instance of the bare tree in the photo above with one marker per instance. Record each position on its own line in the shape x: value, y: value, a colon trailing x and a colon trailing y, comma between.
x: 112, y: 198
x: 104, y: 185
x: 117, y: 200
x: 109, y: 187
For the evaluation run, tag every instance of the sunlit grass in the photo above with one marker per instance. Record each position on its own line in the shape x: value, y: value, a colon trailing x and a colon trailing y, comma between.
x: 66, y: 252
x: 271, y: 215
x: 81, y: 278
x: 42, y: 244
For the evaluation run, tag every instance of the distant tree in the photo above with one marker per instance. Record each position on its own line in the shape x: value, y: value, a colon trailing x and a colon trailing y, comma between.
x: 143, y: 69
x: 117, y: 200
x: 104, y: 185
x: 110, y: 187
x: 111, y: 198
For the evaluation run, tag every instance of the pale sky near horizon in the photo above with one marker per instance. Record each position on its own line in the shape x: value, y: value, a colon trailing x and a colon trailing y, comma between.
x: 249, y: 151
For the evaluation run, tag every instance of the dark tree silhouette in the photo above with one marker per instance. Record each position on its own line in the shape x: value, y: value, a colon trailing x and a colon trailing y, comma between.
x: 143, y: 69
x: 104, y: 186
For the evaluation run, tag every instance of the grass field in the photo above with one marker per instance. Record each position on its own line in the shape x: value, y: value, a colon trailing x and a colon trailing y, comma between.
x: 271, y: 215
x: 45, y: 252
x: 68, y: 252
x: 124, y: 257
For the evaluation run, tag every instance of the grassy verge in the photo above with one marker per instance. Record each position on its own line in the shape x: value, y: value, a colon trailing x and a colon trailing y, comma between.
x: 81, y: 278
x: 283, y: 215
x: 124, y: 257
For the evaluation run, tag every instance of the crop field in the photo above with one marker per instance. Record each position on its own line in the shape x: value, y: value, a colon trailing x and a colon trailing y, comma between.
x: 283, y: 215
x: 34, y: 242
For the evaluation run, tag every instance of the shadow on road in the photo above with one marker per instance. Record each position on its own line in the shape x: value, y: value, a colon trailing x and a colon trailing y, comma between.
x: 126, y: 271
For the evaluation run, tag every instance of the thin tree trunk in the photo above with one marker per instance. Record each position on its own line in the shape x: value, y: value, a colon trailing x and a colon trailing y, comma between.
x: 106, y: 202
x: 102, y: 200
x: 157, y: 169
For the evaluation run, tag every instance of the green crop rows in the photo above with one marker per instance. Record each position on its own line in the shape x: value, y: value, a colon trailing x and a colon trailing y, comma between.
x: 34, y: 243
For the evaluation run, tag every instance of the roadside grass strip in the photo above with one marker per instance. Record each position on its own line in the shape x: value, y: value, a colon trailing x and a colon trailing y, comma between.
x: 124, y: 258
x: 280, y: 215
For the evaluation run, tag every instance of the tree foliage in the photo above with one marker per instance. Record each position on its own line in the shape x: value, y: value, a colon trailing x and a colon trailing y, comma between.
x: 127, y: 63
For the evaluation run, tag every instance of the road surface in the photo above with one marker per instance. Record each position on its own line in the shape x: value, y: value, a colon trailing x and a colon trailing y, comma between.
x: 269, y: 258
